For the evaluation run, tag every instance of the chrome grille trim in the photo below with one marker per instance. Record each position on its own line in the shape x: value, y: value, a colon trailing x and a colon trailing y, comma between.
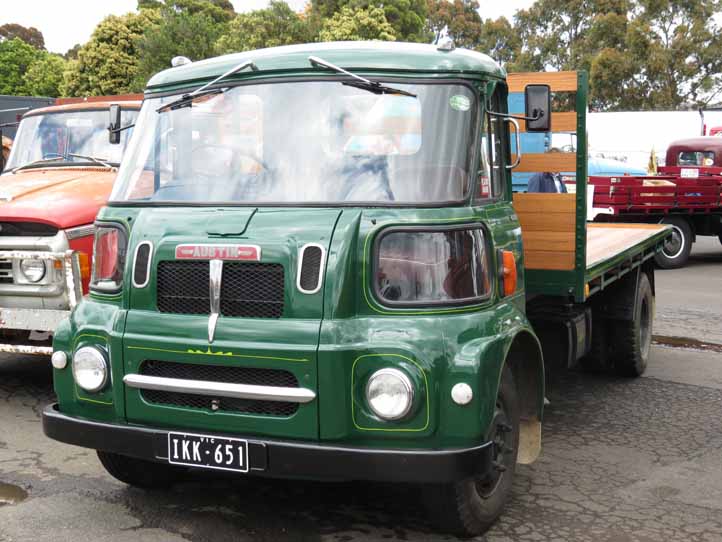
x: 80, y: 231
x: 220, y: 389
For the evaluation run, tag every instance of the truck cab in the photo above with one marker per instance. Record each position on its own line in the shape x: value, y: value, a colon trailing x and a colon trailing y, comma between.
x: 57, y: 176
x: 310, y: 266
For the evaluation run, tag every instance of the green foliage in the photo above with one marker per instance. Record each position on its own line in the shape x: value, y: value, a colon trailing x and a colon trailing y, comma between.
x: 16, y: 57
x: 276, y: 25
x: 44, y: 77
x: 406, y: 17
x: 72, y: 53
x: 108, y: 62
x: 31, y: 36
x: 459, y: 19
x: 176, y: 33
x: 221, y: 11
x: 355, y: 24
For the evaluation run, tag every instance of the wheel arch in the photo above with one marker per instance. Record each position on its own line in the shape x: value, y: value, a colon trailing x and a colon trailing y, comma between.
x: 525, y: 360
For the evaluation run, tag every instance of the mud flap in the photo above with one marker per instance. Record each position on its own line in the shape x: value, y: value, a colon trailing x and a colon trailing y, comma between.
x: 529, y: 441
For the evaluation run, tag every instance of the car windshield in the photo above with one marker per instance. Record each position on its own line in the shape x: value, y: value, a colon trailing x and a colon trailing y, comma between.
x: 56, y: 136
x: 696, y: 158
x: 303, y: 142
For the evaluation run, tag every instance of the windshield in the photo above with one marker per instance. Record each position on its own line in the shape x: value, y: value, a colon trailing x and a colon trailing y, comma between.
x: 696, y: 158
x: 58, y: 135
x: 303, y: 142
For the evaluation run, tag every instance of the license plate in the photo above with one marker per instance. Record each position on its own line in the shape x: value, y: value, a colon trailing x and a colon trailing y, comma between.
x: 208, y: 452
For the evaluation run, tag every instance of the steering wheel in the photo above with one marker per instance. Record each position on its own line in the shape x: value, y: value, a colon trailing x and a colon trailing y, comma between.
x: 235, y: 155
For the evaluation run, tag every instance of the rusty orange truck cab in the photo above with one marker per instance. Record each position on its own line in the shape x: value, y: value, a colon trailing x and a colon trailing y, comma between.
x: 311, y: 266
x: 58, y: 175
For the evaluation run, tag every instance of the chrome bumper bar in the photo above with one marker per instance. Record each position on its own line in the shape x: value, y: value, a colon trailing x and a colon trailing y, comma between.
x: 41, y: 319
x: 222, y: 389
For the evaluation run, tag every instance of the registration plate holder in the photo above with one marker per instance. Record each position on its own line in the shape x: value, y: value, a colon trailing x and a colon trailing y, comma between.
x: 208, y: 452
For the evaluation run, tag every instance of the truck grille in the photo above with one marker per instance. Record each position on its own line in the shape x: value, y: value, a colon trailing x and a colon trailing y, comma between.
x: 220, y: 373
x: 6, y: 271
x: 248, y: 290
x: 27, y: 229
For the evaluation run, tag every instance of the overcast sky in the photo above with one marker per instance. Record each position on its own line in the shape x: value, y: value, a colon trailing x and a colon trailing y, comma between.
x: 66, y: 23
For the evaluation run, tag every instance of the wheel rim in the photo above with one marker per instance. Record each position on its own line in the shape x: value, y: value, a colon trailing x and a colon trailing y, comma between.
x: 503, y: 453
x: 674, y: 246
x: 645, y: 328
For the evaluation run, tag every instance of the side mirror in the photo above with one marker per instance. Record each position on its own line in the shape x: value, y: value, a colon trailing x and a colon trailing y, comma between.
x: 114, y: 125
x: 538, y: 106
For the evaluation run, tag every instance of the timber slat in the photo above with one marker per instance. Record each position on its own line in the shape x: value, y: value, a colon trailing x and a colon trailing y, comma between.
x: 562, y: 121
x: 558, y: 81
x: 553, y: 162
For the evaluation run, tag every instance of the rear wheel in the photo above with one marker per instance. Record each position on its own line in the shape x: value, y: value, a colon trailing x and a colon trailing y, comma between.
x: 675, y: 252
x: 138, y: 472
x: 470, y: 507
x: 633, y: 339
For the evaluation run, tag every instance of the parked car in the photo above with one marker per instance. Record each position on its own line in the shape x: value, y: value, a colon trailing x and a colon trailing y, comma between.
x: 59, y: 173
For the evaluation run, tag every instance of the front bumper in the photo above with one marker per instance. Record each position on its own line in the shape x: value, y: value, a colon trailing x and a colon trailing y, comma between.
x: 284, y: 459
x: 36, y: 319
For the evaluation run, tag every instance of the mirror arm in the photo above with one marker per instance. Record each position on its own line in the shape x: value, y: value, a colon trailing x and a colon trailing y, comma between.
x: 117, y: 130
x: 540, y: 114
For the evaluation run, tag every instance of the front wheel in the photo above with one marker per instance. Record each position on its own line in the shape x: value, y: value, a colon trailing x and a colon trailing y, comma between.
x: 138, y: 472
x: 470, y: 507
x: 676, y: 249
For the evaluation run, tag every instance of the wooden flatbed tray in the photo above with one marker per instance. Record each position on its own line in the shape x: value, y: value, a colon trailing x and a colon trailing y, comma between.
x: 605, y: 241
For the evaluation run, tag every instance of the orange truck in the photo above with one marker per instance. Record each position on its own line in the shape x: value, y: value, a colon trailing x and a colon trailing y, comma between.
x: 58, y: 174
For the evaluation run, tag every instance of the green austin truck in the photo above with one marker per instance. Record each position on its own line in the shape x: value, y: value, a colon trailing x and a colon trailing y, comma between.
x: 311, y: 266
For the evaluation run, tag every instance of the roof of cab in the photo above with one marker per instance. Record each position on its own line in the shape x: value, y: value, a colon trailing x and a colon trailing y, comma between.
x: 82, y: 106
x: 364, y: 56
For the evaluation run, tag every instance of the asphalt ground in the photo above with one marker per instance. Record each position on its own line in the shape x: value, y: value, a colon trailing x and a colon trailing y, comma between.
x: 623, y: 460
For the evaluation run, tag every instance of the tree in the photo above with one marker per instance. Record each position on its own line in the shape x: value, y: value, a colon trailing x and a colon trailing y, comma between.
x: 459, y: 19
x: 31, y: 36
x: 499, y: 40
x: 192, y: 34
x: 276, y: 25
x: 357, y: 24
x: 221, y: 11
x: 72, y: 53
x: 16, y: 57
x: 44, y: 77
x: 406, y: 17
x: 108, y: 62
x: 641, y: 54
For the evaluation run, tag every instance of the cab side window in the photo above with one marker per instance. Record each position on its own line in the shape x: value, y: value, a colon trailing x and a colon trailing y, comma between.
x: 491, y: 167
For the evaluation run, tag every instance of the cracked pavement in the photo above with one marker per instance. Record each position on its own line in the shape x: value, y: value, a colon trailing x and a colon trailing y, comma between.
x: 622, y: 460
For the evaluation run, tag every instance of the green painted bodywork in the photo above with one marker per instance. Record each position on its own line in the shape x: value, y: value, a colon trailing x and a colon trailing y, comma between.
x: 390, y: 58
x: 332, y: 340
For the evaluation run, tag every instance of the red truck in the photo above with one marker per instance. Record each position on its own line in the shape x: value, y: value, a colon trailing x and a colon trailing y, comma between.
x: 684, y: 194
x: 57, y: 177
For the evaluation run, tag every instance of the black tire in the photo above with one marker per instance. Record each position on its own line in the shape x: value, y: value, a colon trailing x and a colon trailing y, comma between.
x: 676, y: 251
x: 633, y: 339
x: 470, y: 507
x: 138, y: 472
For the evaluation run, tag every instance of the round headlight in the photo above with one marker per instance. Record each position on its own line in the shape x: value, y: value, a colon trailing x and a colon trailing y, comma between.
x: 90, y: 369
x: 390, y: 394
x: 33, y: 270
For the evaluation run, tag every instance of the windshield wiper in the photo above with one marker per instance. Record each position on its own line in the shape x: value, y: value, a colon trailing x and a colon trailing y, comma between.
x: 359, y: 82
x: 100, y: 161
x: 187, y: 99
x: 36, y: 162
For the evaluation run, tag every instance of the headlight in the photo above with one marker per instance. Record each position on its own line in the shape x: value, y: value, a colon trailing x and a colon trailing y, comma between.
x: 90, y: 368
x: 390, y: 394
x: 33, y: 270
